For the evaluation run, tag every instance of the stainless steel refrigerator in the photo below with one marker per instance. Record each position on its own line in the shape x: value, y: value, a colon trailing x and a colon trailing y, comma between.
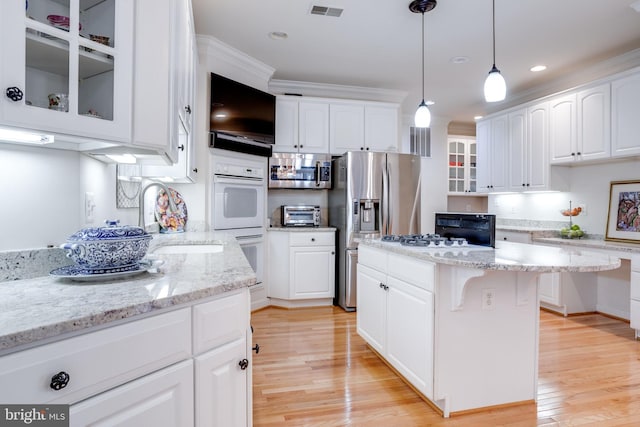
x: 373, y: 194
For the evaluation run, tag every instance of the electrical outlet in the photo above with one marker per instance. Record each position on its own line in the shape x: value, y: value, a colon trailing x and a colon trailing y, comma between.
x: 89, y: 206
x: 488, y: 299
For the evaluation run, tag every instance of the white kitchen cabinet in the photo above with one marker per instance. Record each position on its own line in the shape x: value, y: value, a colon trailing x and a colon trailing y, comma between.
x: 396, y: 313
x: 462, y: 165
x: 625, y: 111
x: 381, y: 127
x: 184, y: 169
x: 346, y: 128
x: 580, y: 126
x: 163, y: 399
x: 163, y: 78
x: 326, y: 125
x: 46, y: 59
x: 528, y: 152
x: 491, y: 145
x: 302, y: 126
x: 372, y: 307
x: 142, y: 372
x: 362, y: 126
x: 563, y: 137
x: 301, y: 268
x: 221, y: 386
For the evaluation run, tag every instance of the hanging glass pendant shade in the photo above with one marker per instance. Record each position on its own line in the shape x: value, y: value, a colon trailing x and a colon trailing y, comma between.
x: 423, y: 116
x: 495, y: 88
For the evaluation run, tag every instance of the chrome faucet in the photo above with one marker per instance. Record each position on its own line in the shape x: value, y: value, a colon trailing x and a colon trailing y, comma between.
x: 172, y: 203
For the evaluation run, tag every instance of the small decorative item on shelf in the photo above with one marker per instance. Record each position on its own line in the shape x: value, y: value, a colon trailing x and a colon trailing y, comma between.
x: 573, y: 231
x: 99, y: 39
x: 59, y: 102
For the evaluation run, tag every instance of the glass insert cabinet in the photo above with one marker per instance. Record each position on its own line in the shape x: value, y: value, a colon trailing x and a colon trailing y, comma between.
x: 462, y: 164
x: 67, y: 66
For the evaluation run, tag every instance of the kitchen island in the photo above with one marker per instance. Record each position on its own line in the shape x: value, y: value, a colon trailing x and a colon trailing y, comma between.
x: 169, y: 346
x: 460, y: 325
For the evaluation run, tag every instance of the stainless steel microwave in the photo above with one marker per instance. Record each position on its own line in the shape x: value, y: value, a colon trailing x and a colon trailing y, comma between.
x: 305, y: 171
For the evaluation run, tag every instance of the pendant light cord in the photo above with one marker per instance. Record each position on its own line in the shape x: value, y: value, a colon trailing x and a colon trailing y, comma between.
x: 423, y: 56
x: 494, y: 33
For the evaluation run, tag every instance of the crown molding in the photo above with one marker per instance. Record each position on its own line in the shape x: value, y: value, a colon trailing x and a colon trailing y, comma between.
x: 326, y: 90
x: 602, y: 70
x: 223, y: 59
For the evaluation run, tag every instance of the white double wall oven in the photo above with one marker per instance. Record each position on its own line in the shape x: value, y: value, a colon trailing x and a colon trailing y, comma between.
x: 238, y: 197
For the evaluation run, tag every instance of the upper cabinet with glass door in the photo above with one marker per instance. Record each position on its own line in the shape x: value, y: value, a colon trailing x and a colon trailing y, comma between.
x: 462, y: 165
x: 67, y: 67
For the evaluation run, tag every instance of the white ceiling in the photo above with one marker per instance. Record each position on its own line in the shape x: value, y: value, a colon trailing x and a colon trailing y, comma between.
x: 376, y: 43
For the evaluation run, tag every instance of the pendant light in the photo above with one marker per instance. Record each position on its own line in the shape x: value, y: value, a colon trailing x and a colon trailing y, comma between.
x: 495, y: 88
x: 423, y: 115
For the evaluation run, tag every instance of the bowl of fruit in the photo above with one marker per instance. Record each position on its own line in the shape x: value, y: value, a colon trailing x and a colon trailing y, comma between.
x: 572, y: 232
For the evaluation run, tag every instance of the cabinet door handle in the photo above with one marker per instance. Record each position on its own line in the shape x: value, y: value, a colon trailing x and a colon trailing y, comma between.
x: 381, y: 285
x: 579, y: 153
x: 256, y: 348
x: 188, y: 109
x: 59, y: 380
x: 573, y: 154
x: 195, y: 170
x: 313, y: 239
x: 181, y: 147
x: 14, y: 93
x: 361, y: 148
x: 244, y: 364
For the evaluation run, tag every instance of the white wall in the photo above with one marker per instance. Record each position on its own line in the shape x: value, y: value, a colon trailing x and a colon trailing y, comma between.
x: 44, y: 189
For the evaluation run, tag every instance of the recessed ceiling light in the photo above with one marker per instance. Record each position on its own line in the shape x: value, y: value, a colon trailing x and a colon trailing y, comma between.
x: 278, y: 35
x: 477, y: 117
x: 459, y: 59
x: 537, y: 68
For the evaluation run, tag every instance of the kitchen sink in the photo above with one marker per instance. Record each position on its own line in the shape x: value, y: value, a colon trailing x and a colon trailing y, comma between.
x: 188, y: 249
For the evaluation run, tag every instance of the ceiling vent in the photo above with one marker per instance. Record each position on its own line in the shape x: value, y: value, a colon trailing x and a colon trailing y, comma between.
x: 326, y: 11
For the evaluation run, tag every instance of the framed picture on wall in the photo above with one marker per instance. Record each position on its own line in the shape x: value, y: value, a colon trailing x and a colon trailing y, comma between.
x: 623, y: 222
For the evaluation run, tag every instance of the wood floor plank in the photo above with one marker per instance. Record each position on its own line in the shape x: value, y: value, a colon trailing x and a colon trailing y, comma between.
x: 314, y: 370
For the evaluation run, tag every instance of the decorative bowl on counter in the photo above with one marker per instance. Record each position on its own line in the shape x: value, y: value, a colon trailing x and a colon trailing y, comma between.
x: 109, y: 247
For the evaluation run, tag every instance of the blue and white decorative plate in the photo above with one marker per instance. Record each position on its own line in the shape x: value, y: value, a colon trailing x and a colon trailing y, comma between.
x: 80, y: 274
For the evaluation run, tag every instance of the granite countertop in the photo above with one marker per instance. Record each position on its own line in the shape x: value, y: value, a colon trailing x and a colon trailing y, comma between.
x: 507, y: 256
x: 301, y: 229
x: 45, y: 308
x: 632, y: 248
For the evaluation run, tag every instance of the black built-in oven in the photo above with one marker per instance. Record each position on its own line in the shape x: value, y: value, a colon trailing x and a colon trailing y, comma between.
x: 477, y: 228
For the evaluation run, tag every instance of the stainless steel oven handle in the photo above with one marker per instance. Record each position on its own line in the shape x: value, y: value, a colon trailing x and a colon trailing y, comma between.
x: 317, y: 174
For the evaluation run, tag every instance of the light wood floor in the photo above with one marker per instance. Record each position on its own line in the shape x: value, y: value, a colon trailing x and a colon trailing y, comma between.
x: 314, y: 370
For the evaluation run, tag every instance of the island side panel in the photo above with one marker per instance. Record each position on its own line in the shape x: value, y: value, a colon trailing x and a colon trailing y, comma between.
x: 485, y: 356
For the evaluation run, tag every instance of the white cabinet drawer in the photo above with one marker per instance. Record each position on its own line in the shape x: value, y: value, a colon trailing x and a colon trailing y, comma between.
x: 220, y: 321
x: 161, y: 399
x: 311, y: 239
x: 417, y: 273
x: 373, y: 258
x: 96, y: 361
